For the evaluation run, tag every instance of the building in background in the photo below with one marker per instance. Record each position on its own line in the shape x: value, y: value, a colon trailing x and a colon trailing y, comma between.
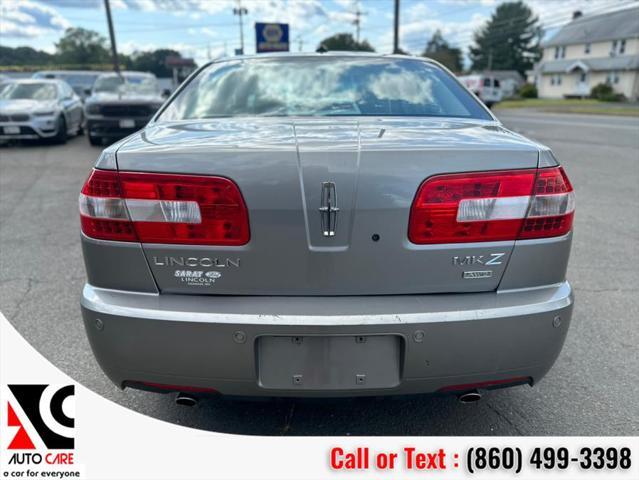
x: 180, y: 69
x: 588, y: 51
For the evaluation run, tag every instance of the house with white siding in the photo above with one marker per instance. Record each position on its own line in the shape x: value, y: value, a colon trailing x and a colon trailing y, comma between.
x: 588, y: 51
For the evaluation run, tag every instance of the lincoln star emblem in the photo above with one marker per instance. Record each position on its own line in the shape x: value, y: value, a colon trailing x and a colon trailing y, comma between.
x: 328, y: 209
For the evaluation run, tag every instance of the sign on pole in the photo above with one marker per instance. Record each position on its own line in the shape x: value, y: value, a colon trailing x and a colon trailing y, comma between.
x: 271, y: 37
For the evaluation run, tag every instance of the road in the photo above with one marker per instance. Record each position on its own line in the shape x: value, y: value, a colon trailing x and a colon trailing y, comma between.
x: 592, y: 389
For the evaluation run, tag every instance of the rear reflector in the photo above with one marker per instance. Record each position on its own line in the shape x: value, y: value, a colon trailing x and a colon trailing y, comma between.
x: 492, y: 206
x: 178, y: 388
x: 507, y: 382
x: 163, y: 208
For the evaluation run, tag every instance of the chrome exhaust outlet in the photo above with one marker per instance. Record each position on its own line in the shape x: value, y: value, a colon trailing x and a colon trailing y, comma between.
x: 469, y: 397
x: 185, y: 400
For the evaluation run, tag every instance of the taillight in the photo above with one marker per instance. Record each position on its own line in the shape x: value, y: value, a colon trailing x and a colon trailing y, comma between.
x: 492, y: 206
x: 552, y: 207
x: 103, y: 213
x: 163, y: 208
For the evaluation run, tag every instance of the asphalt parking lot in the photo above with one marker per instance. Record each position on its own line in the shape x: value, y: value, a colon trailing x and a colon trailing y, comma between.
x: 592, y: 389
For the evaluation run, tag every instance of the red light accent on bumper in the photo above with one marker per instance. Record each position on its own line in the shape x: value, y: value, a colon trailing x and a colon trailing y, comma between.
x: 177, y: 388
x: 488, y: 384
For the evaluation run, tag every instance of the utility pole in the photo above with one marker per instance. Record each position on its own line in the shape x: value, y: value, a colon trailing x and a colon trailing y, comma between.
x: 300, y: 42
x: 239, y: 11
x: 396, y: 29
x: 114, y: 50
x: 358, y: 19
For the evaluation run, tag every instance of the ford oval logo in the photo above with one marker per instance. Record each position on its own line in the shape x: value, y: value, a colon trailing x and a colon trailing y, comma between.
x: 213, y: 274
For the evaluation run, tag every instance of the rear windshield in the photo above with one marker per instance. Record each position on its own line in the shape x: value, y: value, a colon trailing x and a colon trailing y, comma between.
x: 323, y: 86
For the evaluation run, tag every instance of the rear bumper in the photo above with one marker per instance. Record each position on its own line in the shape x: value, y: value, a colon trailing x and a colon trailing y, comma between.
x: 212, y: 342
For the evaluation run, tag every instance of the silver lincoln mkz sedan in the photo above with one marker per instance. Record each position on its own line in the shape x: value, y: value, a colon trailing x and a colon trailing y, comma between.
x: 326, y: 225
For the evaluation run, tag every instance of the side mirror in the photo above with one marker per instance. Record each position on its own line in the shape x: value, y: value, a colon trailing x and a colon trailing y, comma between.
x: 166, y: 93
x: 87, y: 91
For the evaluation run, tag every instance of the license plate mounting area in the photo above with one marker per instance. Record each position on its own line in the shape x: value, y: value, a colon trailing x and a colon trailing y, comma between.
x: 337, y: 362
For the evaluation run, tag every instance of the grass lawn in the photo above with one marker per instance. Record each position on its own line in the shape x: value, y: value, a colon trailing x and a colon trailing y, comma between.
x: 573, y: 105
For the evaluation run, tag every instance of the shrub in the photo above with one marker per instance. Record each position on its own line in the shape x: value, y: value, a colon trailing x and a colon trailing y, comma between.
x: 528, y: 90
x: 605, y: 93
x: 601, y: 90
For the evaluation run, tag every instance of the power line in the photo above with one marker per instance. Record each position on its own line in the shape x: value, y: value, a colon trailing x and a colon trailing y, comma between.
x: 467, y: 33
x: 456, y: 38
x: 385, y: 28
x: 176, y: 27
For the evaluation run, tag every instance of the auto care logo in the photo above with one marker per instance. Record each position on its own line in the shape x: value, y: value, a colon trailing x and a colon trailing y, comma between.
x: 42, y: 415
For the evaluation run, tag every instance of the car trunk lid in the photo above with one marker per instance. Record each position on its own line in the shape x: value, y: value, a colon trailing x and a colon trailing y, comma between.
x: 358, y: 177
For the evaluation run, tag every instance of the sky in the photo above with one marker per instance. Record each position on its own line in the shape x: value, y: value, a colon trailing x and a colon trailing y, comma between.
x: 207, y: 29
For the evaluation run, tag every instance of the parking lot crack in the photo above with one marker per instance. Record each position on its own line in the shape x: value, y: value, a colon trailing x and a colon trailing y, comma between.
x: 504, y: 418
x: 30, y: 283
x: 288, y: 420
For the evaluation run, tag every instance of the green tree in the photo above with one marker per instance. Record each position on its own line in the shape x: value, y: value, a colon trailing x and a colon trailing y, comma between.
x: 79, y: 46
x: 438, y: 49
x: 153, y: 61
x: 344, y: 42
x: 24, y: 56
x: 508, y: 41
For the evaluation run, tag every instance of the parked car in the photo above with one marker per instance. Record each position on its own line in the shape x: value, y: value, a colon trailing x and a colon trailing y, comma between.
x: 81, y: 81
x: 326, y: 225
x: 31, y: 109
x: 4, y: 82
x: 121, y: 104
x: 487, y: 88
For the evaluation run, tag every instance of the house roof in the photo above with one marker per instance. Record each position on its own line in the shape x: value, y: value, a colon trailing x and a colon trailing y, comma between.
x: 623, y: 62
x: 598, y: 28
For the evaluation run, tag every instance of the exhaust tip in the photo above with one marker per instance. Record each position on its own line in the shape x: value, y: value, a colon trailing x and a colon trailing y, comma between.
x: 185, y: 400
x: 470, y: 397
